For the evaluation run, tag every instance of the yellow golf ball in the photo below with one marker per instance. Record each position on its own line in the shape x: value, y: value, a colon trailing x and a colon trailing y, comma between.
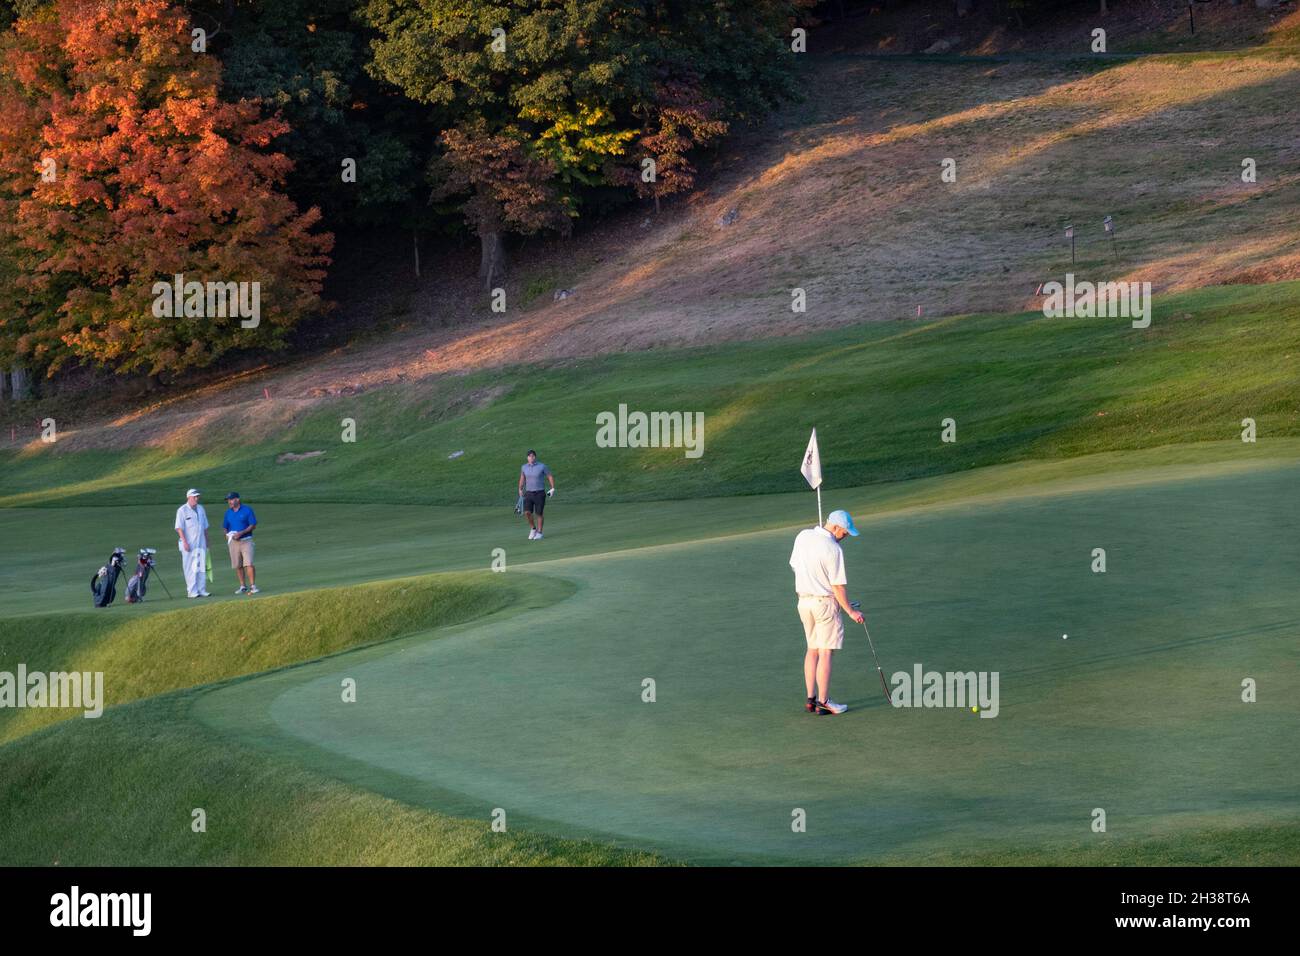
x: 974, y: 710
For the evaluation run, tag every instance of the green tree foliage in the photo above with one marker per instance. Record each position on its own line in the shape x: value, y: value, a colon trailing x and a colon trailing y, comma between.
x: 305, y: 60
x: 544, y: 100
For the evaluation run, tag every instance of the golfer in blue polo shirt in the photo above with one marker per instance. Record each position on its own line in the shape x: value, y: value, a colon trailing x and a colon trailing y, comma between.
x: 239, y: 523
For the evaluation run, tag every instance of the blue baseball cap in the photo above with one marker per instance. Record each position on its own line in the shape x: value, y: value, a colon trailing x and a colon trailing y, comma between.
x: 844, y: 520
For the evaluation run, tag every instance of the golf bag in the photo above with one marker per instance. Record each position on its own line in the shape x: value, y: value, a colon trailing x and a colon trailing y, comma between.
x: 135, y: 588
x: 103, y: 586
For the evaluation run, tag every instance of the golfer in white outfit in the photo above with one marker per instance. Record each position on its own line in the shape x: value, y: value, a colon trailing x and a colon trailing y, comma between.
x: 192, y: 529
x: 821, y: 584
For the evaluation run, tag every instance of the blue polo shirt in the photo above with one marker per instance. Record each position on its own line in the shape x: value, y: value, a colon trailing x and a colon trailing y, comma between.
x: 239, y: 519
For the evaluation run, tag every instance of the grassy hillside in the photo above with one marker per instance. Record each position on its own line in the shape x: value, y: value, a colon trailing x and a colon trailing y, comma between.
x: 1019, y: 387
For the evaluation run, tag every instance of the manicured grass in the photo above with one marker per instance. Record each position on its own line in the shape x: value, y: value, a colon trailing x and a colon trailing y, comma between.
x: 1018, y: 387
x: 120, y: 791
x: 146, y: 655
x: 307, y: 546
x: 288, y: 784
x: 539, y: 712
x: 1138, y: 711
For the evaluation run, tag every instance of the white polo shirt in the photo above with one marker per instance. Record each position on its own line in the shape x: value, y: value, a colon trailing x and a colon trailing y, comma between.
x: 818, y: 562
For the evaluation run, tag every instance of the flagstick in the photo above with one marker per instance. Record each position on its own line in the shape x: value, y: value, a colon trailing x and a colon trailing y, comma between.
x: 819, y: 506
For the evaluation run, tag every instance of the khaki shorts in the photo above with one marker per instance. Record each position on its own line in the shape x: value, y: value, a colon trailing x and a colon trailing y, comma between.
x: 822, y: 625
x: 241, y: 553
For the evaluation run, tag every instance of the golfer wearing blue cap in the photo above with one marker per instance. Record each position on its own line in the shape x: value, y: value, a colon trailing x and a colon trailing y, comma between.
x: 820, y: 582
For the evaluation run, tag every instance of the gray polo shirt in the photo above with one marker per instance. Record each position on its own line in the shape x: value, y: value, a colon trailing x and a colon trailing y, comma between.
x: 533, y: 475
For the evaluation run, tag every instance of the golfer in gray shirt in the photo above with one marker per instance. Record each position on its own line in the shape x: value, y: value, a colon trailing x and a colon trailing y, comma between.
x: 532, y: 484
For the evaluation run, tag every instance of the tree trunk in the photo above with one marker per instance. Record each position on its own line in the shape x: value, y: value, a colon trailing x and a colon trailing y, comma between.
x: 22, y: 383
x: 492, y: 265
x: 1104, y: 11
x: 4, y: 384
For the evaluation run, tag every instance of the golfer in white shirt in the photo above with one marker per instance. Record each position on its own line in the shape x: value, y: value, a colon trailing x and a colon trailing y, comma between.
x: 192, y: 529
x: 820, y: 582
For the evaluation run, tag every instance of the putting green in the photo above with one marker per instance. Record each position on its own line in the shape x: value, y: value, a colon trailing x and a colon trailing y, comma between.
x: 1138, y: 712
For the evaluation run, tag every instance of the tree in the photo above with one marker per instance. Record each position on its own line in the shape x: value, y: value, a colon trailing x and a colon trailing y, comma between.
x: 120, y: 167
x: 509, y: 188
x: 681, y: 120
x: 575, y: 85
x: 306, y: 59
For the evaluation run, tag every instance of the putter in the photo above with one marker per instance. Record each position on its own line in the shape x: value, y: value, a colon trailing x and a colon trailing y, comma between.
x: 883, y: 685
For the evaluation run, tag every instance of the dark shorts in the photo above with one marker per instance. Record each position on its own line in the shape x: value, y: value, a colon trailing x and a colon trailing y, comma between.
x: 534, y: 501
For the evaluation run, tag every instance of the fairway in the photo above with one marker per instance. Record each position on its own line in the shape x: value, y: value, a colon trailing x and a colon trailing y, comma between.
x: 1138, y: 712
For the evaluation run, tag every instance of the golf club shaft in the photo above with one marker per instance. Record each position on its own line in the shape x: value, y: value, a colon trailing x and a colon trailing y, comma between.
x: 879, y: 670
x: 884, y: 685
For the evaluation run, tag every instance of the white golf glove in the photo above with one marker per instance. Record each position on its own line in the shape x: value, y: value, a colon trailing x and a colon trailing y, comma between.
x: 551, y: 493
x: 230, y: 535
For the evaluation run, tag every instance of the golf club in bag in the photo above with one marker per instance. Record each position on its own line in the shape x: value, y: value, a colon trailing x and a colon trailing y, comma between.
x: 883, y: 684
x: 135, y: 588
x: 103, y: 584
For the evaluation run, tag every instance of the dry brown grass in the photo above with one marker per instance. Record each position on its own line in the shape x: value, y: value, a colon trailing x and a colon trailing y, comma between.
x: 841, y: 196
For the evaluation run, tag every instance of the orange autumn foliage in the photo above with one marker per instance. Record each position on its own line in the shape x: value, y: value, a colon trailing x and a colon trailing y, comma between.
x: 119, y: 168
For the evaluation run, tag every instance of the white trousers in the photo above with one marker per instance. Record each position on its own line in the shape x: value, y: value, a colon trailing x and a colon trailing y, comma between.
x: 194, y: 562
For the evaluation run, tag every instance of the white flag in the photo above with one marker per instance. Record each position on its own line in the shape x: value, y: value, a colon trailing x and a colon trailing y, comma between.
x: 812, y: 462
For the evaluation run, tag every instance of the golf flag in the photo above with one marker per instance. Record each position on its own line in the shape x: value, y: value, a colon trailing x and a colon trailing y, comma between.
x: 812, y: 462
x: 207, y: 563
x: 811, y: 469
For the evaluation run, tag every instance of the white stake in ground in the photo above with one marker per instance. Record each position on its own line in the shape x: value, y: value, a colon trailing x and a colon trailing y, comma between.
x: 811, y: 469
